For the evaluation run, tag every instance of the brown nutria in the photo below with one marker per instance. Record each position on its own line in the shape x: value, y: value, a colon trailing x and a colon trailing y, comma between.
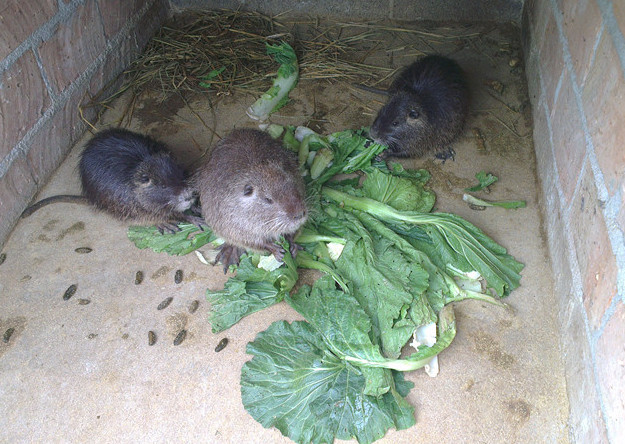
x: 131, y: 177
x: 251, y: 193
x: 427, y: 106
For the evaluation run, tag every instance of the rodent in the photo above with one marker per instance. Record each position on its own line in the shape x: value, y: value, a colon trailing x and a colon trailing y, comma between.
x: 251, y: 192
x: 426, y: 110
x: 131, y: 177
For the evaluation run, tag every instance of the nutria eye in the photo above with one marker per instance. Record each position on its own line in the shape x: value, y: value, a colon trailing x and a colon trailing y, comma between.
x: 395, y: 123
x: 413, y: 114
x: 268, y: 200
x: 144, y: 178
x: 248, y: 190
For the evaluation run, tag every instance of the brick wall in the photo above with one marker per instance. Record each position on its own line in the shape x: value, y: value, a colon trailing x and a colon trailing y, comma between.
x: 575, y: 55
x: 53, y: 55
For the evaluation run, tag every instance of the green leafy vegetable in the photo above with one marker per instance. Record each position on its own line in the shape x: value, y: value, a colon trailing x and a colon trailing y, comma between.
x: 484, y: 180
x: 352, y: 152
x: 325, y: 379
x: 285, y: 81
x: 252, y: 289
x: 188, y: 239
x: 510, y: 204
x: 346, y: 331
x: 454, y: 241
x: 322, y: 159
x: 207, y: 79
x: 402, y: 192
x: 294, y: 383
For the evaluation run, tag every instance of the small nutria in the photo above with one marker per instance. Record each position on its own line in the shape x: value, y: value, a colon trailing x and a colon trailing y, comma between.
x: 131, y: 177
x: 251, y: 192
x: 427, y: 106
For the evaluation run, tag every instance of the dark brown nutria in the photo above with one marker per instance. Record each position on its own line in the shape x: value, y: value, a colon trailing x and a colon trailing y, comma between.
x: 131, y: 177
x: 427, y: 106
x: 251, y: 192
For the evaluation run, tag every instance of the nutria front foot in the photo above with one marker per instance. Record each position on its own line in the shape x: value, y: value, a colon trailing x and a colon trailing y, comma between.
x: 446, y: 154
x: 229, y: 255
x: 168, y: 227
x: 293, y: 247
x: 196, y: 220
x: 279, y: 252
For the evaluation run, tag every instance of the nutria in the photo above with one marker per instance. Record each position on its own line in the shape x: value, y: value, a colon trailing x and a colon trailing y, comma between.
x: 131, y: 177
x: 427, y: 106
x: 251, y: 193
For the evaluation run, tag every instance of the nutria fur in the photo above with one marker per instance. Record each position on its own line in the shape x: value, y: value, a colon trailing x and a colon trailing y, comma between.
x: 427, y: 106
x: 251, y: 193
x: 133, y: 178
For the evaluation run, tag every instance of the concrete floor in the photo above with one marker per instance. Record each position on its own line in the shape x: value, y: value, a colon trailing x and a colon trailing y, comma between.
x: 85, y: 373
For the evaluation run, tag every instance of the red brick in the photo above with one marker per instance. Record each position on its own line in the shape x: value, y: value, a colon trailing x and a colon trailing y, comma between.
x: 52, y: 143
x: 116, y: 61
x: 594, y: 253
x: 539, y: 12
x: 16, y: 189
x: 569, y: 143
x: 19, y: 19
x: 551, y: 61
x: 74, y: 46
x: 115, y: 13
x: 603, y: 97
x: 610, y: 360
x: 582, y: 22
x: 599, y: 280
x: 585, y: 419
x: 23, y: 99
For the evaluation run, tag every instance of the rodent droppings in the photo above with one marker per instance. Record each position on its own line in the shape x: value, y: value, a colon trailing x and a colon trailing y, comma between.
x: 222, y: 344
x: 194, y: 306
x: 69, y: 292
x: 163, y: 305
x: 138, y: 277
x: 180, y: 337
x: 178, y: 276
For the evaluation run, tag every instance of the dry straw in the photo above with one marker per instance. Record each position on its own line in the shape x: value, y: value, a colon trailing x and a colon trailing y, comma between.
x: 225, y: 51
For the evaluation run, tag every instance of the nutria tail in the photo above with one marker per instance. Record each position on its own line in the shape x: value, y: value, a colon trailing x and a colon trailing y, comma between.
x: 66, y: 198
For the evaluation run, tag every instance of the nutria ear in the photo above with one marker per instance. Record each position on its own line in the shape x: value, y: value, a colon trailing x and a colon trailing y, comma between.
x: 414, y: 114
x: 248, y: 190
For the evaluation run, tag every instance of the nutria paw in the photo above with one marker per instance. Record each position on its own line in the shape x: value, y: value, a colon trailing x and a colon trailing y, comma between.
x: 196, y: 220
x: 293, y: 247
x: 447, y: 154
x: 275, y: 249
x: 168, y: 227
x: 229, y: 255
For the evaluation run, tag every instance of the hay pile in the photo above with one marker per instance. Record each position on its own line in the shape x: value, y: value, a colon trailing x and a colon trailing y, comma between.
x: 225, y: 51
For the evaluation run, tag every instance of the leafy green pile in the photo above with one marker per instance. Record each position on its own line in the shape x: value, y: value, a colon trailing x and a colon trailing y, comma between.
x: 391, y: 269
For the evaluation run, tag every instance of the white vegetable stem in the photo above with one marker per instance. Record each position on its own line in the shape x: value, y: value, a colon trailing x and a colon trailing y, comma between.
x: 283, y: 84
